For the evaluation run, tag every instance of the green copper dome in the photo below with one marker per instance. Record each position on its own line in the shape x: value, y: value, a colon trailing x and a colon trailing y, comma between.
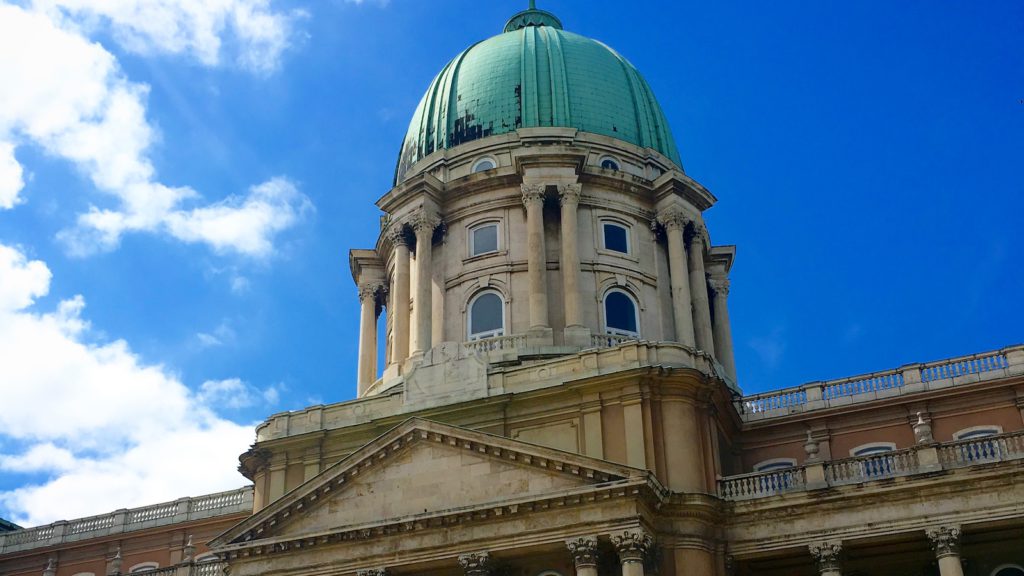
x: 535, y: 75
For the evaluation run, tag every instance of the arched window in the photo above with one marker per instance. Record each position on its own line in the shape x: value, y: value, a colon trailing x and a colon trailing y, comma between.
x: 483, y: 238
x: 485, y: 163
x: 609, y: 163
x: 620, y: 314
x: 1008, y: 570
x: 977, y: 432
x: 873, y: 448
x: 983, y: 450
x: 486, y: 315
x: 143, y: 567
x: 774, y: 464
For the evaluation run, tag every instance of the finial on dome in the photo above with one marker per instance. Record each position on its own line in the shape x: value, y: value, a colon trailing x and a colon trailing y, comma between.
x: 532, y: 17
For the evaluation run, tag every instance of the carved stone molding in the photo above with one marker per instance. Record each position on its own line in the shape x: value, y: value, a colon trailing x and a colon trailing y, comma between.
x: 945, y: 540
x: 583, y: 550
x: 673, y: 219
x: 826, y: 555
x: 632, y: 545
x: 396, y: 233
x: 424, y: 220
x: 698, y: 235
x: 369, y: 290
x: 533, y: 193
x: 475, y: 563
x: 569, y: 194
x: 719, y: 285
x: 372, y: 572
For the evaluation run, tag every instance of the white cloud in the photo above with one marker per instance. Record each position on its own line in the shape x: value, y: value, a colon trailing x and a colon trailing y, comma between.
x: 11, y: 181
x: 110, y: 429
x: 223, y: 334
x: 770, y: 348
x: 67, y: 94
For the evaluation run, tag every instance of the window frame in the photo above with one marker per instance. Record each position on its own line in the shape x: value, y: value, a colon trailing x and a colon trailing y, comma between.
x: 470, y: 336
x: 604, y: 238
x: 612, y: 159
x: 475, y: 168
x: 604, y: 313
x: 143, y: 567
x: 1002, y: 567
x: 872, y: 449
x: 471, y: 230
x: 773, y: 464
x: 972, y: 433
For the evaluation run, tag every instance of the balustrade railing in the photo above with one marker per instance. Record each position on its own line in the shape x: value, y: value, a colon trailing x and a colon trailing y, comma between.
x: 762, y: 484
x: 166, y: 571
x: 609, y: 340
x: 497, y: 343
x: 980, y: 450
x: 861, y: 469
x: 867, y: 387
x: 871, y: 467
x: 208, y: 569
x: 185, y: 509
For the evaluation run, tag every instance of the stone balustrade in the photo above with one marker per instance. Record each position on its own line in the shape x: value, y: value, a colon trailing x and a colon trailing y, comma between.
x: 861, y: 469
x: 910, y: 379
x: 498, y: 343
x: 182, y: 510
x: 609, y: 340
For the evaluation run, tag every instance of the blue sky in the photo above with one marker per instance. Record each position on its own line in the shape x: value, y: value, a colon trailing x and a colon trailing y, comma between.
x: 179, y: 190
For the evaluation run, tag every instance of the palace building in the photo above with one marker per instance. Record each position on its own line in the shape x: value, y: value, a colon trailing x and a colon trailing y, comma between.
x: 559, y: 395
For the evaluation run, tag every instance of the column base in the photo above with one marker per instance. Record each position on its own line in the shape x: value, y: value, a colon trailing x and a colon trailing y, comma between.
x: 542, y: 336
x: 577, y: 336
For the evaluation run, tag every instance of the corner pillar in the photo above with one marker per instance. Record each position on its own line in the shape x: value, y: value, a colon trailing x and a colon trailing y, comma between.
x: 632, y: 546
x: 537, y: 267
x: 722, y: 329
x: 827, y: 555
x: 945, y: 541
x: 367, y: 335
x: 584, y: 554
x: 400, y: 325
x: 699, y: 292
x: 675, y: 221
x: 423, y: 224
x: 475, y: 563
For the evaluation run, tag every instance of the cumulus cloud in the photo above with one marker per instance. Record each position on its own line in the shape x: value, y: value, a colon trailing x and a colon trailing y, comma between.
x: 108, y: 429
x: 68, y: 95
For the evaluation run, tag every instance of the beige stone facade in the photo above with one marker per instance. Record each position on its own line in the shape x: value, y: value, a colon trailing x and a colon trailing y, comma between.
x: 587, y: 419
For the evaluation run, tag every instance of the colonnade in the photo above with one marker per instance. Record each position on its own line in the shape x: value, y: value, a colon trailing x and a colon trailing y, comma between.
x: 690, y: 284
x: 633, y: 547
x: 944, y: 540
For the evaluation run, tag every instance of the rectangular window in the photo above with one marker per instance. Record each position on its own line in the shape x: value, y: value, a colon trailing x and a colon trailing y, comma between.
x: 616, y: 237
x: 483, y: 239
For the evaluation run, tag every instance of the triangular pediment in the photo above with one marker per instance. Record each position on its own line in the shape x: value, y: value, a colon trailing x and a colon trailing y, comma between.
x: 419, y: 471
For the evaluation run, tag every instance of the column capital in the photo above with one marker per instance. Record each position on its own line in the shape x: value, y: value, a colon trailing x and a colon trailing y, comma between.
x: 569, y: 193
x: 396, y: 234
x: 533, y: 193
x: 475, y: 563
x: 945, y: 540
x: 370, y: 290
x: 583, y: 550
x: 632, y: 544
x: 372, y: 572
x: 673, y: 218
x: 424, y: 220
x: 699, y: 233
x: 826, y: 555
x: 719, y: 285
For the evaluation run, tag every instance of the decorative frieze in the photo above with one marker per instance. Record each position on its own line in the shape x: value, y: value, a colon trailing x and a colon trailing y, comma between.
x: 632, y: 545
x: 475, y: 563
x: 827, y: 556
x: 583, y: 551
x: 945, y: 540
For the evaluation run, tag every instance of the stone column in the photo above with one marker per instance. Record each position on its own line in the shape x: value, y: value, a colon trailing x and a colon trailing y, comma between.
x: 537, y: 266
x: 367, y: 335
x: 946, y: 543
x: 699, y: 292
x: 569, y: 197
x: 632, y: 545
x: 475, y: 563
x: 675, y: 222
x: 400, y: 326
x: 827, y: 557
x: 584, y: 554
x: 723, y: 329
x: 424, y: 225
